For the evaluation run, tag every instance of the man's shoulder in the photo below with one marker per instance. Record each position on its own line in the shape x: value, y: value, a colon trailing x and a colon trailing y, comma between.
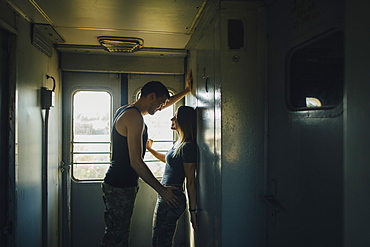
x: 130, y: 115
x: 123, y: 109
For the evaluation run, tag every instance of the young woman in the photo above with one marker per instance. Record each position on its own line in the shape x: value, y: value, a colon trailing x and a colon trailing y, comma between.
x: 181, y: 163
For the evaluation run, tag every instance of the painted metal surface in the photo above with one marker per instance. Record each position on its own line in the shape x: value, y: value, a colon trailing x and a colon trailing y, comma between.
x: 162, y: 24
x: 121, y: 64
x: 243, y: 127
x: 356, y: 122
x: 305, y: 148
x: 209, y: 197
x: 83, y: 205
x: 32, y: 69
x: 230, y: 100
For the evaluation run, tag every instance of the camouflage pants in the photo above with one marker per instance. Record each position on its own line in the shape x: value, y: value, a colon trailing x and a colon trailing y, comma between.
x: 165, y: 220
x: 119, y: 205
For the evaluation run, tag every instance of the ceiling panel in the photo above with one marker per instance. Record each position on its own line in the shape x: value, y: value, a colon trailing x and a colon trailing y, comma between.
x: 161, y: 23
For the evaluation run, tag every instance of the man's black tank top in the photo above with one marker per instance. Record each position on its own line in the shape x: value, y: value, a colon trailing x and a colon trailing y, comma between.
x: 120, y: 173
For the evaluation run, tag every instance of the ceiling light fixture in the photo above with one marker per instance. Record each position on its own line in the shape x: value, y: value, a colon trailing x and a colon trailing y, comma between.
x: 121, y: 44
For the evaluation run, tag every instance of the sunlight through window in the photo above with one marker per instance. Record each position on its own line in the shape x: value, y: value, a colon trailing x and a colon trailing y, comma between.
x: 313, y: 102
x: 159, y: 130
x: 91, y: 134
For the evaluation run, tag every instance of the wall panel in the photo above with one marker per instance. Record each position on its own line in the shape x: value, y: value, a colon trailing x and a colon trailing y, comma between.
x: 231, y: 100
x: 32, y: 68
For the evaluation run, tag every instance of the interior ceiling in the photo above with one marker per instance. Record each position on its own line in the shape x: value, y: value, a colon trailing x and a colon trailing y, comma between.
x: 162, y: 24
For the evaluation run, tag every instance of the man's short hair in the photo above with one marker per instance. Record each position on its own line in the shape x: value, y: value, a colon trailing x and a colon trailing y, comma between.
x: 156, y: 87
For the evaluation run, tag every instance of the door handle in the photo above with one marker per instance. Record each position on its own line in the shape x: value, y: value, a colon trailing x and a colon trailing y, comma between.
x: 271, y: 202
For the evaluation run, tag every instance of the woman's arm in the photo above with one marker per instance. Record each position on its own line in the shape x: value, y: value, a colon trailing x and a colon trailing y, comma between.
x: 191, y: 188
x: 177, y: 97
x: 161, y: 157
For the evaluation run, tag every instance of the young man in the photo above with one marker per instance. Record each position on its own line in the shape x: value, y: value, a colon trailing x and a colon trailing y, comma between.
x: 129, y: 137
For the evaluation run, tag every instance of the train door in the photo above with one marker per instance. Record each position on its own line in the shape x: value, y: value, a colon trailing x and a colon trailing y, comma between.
x: 89, y: 101
x: 305, y: 148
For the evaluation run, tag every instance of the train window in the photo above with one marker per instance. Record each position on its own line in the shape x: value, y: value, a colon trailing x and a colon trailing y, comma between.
x: 316, y: 73
x: 91, y: 125
x: 159, y: 129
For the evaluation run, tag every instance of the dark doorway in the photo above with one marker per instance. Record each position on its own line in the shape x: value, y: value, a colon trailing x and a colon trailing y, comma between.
x: 5, y: 224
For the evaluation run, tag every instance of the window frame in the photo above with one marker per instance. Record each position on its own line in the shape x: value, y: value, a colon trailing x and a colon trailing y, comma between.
x: 324, y: 109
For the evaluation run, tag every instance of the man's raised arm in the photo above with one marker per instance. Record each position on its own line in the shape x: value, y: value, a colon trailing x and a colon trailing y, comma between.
x: 188, y: 87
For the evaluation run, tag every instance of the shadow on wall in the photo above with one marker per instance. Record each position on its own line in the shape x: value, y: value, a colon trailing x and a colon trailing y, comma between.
x: 207, y: 175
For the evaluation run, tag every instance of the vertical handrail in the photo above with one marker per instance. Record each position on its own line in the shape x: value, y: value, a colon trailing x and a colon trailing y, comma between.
x: 45, y: 129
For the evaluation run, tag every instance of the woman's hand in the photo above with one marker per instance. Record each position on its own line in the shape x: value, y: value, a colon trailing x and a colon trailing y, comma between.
x: 188, y: 87
x: 149, y: 144
x: 158, y: 155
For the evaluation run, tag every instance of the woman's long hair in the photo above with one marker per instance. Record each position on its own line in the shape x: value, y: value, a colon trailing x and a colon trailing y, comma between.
x: 186, y: 128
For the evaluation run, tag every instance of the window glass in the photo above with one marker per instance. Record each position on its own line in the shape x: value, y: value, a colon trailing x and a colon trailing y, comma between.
x: 159, y: 130
x: 91, y: 125
x: 316, y: 73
